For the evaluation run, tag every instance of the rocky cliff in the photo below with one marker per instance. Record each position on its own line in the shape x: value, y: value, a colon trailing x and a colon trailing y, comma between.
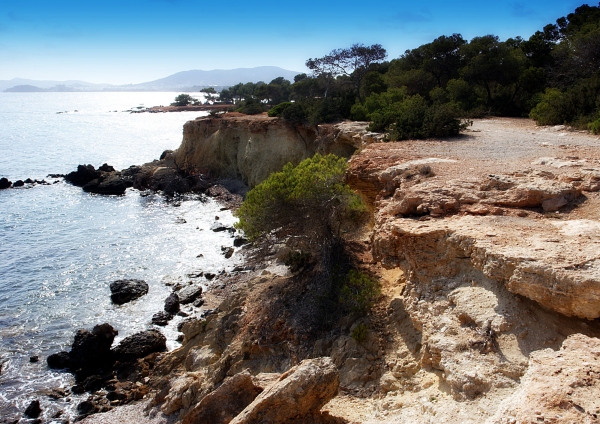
x: 250, y: 148
x: 487, y: 250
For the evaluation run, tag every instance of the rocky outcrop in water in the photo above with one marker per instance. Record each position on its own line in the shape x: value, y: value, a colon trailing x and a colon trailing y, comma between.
x: 5, y: 183
x: 123, y: 291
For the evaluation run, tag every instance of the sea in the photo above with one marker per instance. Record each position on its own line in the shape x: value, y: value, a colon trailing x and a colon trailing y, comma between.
x: 60, y: 248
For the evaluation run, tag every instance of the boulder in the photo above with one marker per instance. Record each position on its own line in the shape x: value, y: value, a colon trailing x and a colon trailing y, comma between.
x: 109, y: 184
x: 227, y: 251
x: 239, y: 241
x: 172, y: 303
x: 301, y: 391
x: 33, y: 410
x: 18, y: 183
x: 123, y: 291
x: 83, y: 175
x: 60, y: 360
x: 5, y: 183
x: 140, y: 345
x: 189, y: 294
x: 106, y: 168
x: 161, y: 318
x: 226, y: 402
x: 92, y: 349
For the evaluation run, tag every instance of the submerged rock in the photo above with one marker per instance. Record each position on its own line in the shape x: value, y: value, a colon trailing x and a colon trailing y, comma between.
x: 123, y: 291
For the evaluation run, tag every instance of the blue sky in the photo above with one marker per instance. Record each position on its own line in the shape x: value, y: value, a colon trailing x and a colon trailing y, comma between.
x: 133, y: 41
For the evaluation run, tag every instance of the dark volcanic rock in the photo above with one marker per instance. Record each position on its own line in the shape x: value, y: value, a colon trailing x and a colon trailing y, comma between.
x: 123, y: 291
x: 239, y: 241
x: 18, y: 183
x: 106, y: 168
x: 227, y: 251
x: 172, y: 303
x: 33, y: 410
x: 4, y: 183
x: 218, y: 228
x: 86, y: 408
x: 139, y: 345
x: 60, y: 360
x: 189, y: 294
x: 83, y: 175
x: 108, y: 184
x: 92, y: 349
x: 161, y: 318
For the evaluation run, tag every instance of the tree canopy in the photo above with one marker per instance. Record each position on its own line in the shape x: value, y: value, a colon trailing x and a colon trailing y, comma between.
x: 429, y: 91
x: 308, y: 203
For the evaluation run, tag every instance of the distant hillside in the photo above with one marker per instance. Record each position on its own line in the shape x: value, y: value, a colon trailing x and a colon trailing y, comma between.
x: 218, y: 77
x: 181, y: 81
x: 74, y: 85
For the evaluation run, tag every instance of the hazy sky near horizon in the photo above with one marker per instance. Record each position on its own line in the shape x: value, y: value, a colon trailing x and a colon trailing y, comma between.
x: 134, y: 41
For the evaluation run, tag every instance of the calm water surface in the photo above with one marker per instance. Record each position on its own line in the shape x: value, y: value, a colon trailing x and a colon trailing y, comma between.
x: 60, y: 248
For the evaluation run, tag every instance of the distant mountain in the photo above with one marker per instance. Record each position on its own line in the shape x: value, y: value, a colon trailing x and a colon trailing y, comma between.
x: 181, y: 81
x: 218, y: 77
x: 52, y: 85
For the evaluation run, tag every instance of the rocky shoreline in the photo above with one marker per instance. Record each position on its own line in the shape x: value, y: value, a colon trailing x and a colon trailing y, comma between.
x: 486, y: 250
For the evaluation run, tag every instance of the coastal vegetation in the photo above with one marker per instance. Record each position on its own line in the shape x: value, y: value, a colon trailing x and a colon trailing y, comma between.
x: 308, y: 205
x: 434, y: 89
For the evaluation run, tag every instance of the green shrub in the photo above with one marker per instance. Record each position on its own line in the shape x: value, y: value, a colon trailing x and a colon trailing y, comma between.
x: 359, y: 292
x: 594, y: 126
x: 297, y: 260
x: 359, y: 333
x: 551, y: 110
x: 309, y: 202
x: 183, y: 100
x: 251, y: 106
x: 278, y: 110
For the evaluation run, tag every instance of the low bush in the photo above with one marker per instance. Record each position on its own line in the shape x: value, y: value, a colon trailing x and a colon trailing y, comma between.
x: 359, y: 292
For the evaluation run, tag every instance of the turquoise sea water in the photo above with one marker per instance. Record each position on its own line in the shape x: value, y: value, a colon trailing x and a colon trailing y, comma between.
x: 60, y: 247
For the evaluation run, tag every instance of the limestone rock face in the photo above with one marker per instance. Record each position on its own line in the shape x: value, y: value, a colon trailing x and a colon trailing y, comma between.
x: 301, y: 391
x: 559, y: 386
x: 521, y: 253
x: 250, y: 148
x: 227, y: 401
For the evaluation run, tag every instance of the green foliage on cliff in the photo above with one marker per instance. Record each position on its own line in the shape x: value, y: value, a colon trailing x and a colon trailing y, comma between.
x: 184, y: 100
x: 359, y: 292
x: 308, y: 203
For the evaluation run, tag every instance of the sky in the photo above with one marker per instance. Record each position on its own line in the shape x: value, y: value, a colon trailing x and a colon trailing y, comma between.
x: 134, y: 41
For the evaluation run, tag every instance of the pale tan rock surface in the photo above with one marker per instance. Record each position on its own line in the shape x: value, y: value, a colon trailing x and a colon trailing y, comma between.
x: 301, y: 391
x: 559, y: 386
x: 250, y: 148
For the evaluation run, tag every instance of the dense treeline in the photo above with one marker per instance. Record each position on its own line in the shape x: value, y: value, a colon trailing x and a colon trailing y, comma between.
x: 554, y: 77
